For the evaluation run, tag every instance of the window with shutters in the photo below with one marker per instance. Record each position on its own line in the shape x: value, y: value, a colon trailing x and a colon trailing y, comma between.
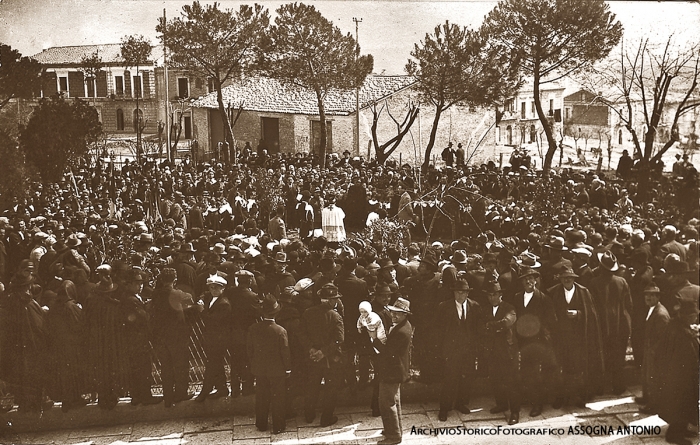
x: 138, y: 86
x: 210, y: 85
x: 63, y: 84
x: 183, y: 87
x: 90, y: 87
x: 533, y: 110
x: 187, y: 124
x: 551, y: 107
x: 120, y: 119
x: 533, y: 134
x: 522, y: 110
x: 119, y: 85
x: 509, y: 134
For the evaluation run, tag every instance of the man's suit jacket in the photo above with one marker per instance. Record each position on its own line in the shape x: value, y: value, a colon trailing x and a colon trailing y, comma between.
x: 353, y: 291
x: 655, y: 327
x: 673, y: 247
x: 268, y: 349
x: 218, y: 322
x: 540, y: 309
x: 500, y: 339
x: 455, y: 337
x: 392, y: 361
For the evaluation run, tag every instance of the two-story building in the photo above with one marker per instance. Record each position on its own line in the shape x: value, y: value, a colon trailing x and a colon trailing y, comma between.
x: 518, y: 123
x: 115, y: 90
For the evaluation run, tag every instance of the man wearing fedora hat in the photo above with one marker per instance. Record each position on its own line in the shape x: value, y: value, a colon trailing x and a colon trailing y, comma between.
x: 186, y: 270
x: 270, y: 361
x: 555, y: 263
x: 171, y: 335
x: 322, y: 335
x: 422, y: 290
x: 280, y: 278
x: 245, y: 306
x: 393, y: 369
x: 577, y: 340
x: 655, y: 324
x: 535, y: 320
x: 217, y: 319
x: 354, y: 290
x: 613, y: 302
x: 458, y: 325
x: 136, y: 320
x: 501, y: 352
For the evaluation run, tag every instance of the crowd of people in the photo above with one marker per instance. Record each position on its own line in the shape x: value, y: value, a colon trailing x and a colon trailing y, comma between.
x: 538, y: 282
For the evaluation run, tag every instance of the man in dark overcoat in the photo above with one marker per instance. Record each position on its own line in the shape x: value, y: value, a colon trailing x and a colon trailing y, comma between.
x: 171, y: 336
x: 459, y: 325
x: 533, y: 328
x: 137, y: 334
x: 108, y: 358
x: 322, y: 336
x: 218, y: 324
x: 577, y: 340
x: 354, y: 291
x: 270, y: 361
x: 613, y: 303
x: 656, y: 322
x: 501, y: 352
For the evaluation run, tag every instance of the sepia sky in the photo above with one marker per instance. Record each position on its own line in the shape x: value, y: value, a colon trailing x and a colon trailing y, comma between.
x: 388, y: 31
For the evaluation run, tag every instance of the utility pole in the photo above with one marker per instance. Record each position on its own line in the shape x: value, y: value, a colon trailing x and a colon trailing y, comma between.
x: 357, y: 90
x: 167, y: 92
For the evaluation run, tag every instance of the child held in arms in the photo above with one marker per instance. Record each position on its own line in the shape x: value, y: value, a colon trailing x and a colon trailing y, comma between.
x: 371, y: 321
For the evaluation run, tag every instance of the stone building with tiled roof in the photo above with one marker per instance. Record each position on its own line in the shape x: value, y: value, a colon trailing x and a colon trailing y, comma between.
x: 284, y: 118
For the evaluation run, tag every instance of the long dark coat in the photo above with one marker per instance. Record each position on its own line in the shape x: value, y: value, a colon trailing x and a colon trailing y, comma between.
x: 613, y: 302
x: 677, y: 367
x: 393, y: 359
x: 107, y: 354
x: 587, y: 338
x: 66, y: 329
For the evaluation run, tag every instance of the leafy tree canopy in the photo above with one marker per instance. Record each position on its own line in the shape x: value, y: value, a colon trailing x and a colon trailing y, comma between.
x: 306, y: 49
x: 19, y: 76
x: 58, y: 134
x: 456, y: 65
x: 215, y: 43
x: 135, y: 50
x: 551, y: 39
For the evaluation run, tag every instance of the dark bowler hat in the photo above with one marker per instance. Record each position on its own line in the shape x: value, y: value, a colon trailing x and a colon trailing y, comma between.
x: 329, y: 290
x: 527, y: 271
x: 492, y: 287
x: 186, y: 248
x: 608, y: 261
x: 568, y: 272
x: 429, y: 260
x: 270, y: 306
x: 384, y: 290
x: 556, y: 243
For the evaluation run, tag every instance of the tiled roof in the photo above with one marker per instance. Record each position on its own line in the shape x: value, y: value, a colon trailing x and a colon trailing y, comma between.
x: 72, y: 55
x: 264, y: 94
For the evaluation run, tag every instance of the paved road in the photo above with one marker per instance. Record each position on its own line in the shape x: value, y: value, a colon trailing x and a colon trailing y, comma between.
x: 356, y: 426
